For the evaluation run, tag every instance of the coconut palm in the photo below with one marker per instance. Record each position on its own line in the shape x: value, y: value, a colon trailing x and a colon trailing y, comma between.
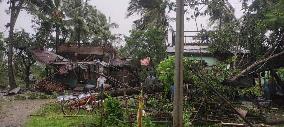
x: 152, y: 12
x: 74, y: 20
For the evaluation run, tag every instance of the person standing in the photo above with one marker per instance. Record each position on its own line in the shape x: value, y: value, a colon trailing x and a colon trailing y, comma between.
x: 100, y: 84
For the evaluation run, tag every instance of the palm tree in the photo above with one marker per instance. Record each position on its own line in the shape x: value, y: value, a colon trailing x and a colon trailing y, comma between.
x: 75, y: 19
x: 152, y: 12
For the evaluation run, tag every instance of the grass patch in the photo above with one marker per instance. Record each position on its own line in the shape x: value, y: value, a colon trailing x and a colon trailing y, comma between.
x: 51, y: 116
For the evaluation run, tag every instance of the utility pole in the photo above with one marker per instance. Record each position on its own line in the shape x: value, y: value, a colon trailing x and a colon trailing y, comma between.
x: 178, y: 88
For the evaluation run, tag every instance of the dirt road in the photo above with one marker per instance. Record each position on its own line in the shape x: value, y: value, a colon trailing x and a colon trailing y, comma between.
x: 15, y: 113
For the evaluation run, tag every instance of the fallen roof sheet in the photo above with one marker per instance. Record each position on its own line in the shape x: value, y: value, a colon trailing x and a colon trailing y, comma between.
x: 46, y: 57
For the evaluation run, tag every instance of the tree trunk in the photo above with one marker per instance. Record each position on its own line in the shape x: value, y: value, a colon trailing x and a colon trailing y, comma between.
x: 15, y: 10
x: 253, y: 67
x: 79, y: 35
x: 12, y: 81
x: 56, y: 37
x: 27, y: 74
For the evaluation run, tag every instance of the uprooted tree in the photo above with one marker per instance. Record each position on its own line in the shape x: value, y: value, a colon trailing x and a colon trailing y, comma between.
x: 270, y: 22
x: 259, y: 33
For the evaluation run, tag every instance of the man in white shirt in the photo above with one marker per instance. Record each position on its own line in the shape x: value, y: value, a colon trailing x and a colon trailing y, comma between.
x: 101, y: 82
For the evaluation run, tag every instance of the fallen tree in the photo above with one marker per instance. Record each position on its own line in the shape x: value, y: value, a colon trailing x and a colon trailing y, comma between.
x: 135, y: 90
x: 271, y: 62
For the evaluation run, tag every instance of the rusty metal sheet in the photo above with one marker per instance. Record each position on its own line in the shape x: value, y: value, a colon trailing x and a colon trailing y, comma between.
x: 97, y: 50
x: 46, y: 57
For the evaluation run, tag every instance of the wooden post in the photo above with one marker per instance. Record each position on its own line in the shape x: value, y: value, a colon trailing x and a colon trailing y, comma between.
x: 178, y: 88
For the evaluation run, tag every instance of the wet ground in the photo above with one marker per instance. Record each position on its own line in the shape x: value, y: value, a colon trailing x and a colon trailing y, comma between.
x: 14, y: 113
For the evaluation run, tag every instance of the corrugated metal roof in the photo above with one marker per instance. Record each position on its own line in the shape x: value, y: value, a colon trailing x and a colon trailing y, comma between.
x: 190, y: 49
x: 203, y: 49
x: 46, y: 57
x: 118, y: 62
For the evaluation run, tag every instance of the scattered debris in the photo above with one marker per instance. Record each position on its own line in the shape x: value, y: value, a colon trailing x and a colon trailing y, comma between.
x: 14, y: 91
x: 47, y: 85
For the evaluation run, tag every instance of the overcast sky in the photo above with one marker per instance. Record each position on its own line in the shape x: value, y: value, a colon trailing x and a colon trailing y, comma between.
x: 116, y: 9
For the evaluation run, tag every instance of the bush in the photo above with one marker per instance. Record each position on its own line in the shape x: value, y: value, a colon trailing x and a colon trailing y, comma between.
x: 204, y: 82
x: 197, y: 74
x: 147, y: 122
x: 113, y: 110
x: 166, y: 71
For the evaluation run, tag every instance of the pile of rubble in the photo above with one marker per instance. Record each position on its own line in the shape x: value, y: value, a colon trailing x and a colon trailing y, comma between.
x: 48, y: 85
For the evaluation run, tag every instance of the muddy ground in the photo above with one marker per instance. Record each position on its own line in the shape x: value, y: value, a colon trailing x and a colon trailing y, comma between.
x: 14, y: 113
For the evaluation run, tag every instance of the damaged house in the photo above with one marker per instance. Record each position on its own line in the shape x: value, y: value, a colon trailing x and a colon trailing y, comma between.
x: 75, y: 66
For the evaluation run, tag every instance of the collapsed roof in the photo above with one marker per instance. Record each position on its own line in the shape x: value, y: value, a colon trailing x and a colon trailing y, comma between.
x: 47, y: 57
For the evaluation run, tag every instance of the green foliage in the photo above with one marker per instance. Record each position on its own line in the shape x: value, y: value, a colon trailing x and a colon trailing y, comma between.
x: 187, y: 118
x: 76, y: 21
x: 253, y: 91
x: 254, y: 28
x: 152, y: 12
x: 86, y: 23
x: 220, y: 12
x: 3, y: 75
x: 23, y: 57
x: 275, y: 16
x: 203, y: 78
x: 50, y: 115
x: 3, y: 66
x: 38, y: 71
x: 147, y: 122
x: 145, y: 43
x: 208, y: 78
x: 2, y: 46
x: 114, y: 111
x: 280, y: 72
x: 257, y: 31
x: 166, y: 70
x: 153, y: 103
x: 225, y: 39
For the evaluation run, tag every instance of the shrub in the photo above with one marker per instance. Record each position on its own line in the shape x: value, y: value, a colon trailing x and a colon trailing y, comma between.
x: 166, y: 70
x: 113, y: 110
